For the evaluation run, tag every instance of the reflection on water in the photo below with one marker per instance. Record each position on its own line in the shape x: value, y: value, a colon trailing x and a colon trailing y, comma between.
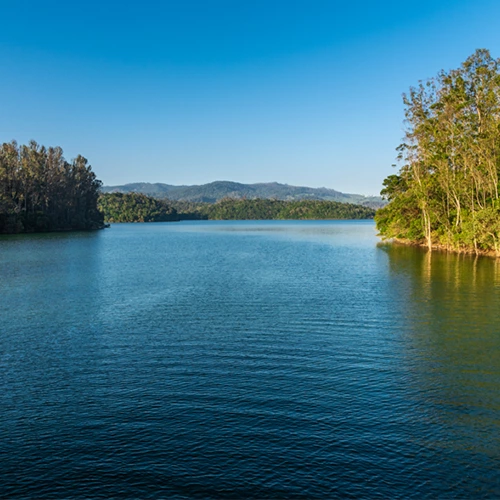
x: 452, y: 335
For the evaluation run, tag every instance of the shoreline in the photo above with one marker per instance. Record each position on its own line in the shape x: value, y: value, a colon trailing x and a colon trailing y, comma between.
x: 59, y: 230
x: 445, y: 249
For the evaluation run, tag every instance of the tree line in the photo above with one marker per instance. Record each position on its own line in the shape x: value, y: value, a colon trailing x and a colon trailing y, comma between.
x: 136, y: 207
x: 41, y: 191
x: 262, y: 209
x: 446, y: 192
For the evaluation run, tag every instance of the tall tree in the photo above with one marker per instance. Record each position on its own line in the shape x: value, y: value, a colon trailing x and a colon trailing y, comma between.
x: 446, y: 192
x: 41, y: 191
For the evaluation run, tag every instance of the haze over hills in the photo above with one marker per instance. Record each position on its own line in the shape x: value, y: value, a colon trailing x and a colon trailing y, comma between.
x: 215, y: 191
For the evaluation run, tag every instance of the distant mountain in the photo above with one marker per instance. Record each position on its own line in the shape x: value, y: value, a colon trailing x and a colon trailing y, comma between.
x: 215, y: 191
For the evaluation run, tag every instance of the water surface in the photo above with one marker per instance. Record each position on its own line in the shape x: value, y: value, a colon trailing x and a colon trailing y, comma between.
x: 246, y: 360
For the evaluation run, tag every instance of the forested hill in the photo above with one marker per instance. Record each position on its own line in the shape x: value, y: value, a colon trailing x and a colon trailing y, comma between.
x: 137, y: 207
x: 259, y: 209
x: 216, y: 191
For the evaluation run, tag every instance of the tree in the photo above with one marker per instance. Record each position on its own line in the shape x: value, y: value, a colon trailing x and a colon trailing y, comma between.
x: 41, y: 191
x: 446, y: 191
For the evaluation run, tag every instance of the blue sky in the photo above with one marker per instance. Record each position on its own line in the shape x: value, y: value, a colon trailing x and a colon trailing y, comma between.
x: 188, y: 92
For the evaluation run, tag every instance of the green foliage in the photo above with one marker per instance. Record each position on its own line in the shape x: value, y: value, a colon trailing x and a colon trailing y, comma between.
x: 446, y: 192
x: 135, y: 207
x: 262, y: 209
x: 314, y: 209
x: 41, y: 191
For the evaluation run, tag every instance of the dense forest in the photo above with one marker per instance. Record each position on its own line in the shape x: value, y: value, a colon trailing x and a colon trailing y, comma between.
x: 229, y: 209
x: 41, y: 191
x: 258, y: 209
x: 446, y: 194
x: 135, y: 207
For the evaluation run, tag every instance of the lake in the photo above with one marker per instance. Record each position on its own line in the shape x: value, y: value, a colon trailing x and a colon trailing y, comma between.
x: 253, y: 359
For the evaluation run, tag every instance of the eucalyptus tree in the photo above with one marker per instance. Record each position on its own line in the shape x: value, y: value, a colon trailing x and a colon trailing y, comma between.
x: 446, y: 192
x: 40, y: 190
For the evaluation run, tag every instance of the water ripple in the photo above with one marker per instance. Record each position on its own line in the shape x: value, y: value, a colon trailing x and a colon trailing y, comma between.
x: 246, y: 360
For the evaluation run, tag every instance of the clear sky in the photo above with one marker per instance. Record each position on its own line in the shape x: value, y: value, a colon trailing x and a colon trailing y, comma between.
x: 304, y: 92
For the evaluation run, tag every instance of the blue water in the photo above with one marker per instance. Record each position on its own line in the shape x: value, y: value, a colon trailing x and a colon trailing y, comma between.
x: 246, y: 360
